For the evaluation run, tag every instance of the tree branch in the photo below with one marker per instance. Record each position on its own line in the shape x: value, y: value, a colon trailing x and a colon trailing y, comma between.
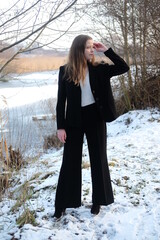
x: 11, y: 19
x: 38, y: 29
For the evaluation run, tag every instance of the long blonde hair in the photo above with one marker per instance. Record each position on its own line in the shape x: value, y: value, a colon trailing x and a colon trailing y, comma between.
x: 76, y: 65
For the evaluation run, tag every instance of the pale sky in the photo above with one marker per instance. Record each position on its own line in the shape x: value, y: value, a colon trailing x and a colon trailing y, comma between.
x: 65, y: 42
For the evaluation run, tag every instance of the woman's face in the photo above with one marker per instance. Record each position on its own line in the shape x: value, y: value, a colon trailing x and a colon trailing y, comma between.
x: 89, y: 50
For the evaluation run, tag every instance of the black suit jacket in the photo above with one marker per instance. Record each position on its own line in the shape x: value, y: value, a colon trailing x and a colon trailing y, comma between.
x: 68, y: 110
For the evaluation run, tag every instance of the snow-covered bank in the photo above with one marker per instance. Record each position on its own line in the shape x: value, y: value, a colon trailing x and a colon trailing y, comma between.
x: 22, y: 98
x: 133, y: 155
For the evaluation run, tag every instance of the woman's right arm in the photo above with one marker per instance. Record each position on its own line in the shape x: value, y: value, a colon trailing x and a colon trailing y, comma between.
x: 61, y: 100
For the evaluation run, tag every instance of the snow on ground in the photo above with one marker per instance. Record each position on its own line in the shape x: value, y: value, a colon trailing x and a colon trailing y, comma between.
x: 133, y: 155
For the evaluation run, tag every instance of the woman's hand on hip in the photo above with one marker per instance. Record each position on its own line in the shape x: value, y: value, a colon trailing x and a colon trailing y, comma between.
x: 61, y: 134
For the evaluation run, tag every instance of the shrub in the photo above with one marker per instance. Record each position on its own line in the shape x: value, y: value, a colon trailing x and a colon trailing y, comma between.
x: 144, y: 95
x: 147, y: 94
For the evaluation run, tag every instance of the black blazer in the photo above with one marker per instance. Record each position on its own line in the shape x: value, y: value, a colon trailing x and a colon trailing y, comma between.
x: 68, y: 109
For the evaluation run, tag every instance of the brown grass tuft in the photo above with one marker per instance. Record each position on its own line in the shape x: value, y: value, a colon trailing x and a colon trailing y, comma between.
x: 15, y: 158
x: 51, y: 141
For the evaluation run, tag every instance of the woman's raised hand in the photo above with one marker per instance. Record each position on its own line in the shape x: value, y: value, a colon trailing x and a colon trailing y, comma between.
x: 61, y: 134
x: 99, y: 47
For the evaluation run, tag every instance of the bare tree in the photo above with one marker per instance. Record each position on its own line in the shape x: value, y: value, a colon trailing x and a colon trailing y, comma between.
x: 132, y: 27
x: 28, y: 25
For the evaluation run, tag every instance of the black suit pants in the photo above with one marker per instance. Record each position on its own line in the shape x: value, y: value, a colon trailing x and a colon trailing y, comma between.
x: 68, y: 192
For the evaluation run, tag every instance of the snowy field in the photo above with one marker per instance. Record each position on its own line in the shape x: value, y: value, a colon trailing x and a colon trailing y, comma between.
x: 134, y: 159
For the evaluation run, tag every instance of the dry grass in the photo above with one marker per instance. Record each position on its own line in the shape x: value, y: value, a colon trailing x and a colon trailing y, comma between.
x: 27, y: 217
x: 34, y: 64
x: 10, y: 159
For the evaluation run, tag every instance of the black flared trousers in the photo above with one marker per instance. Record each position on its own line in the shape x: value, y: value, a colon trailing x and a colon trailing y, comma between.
x: 68, y: 193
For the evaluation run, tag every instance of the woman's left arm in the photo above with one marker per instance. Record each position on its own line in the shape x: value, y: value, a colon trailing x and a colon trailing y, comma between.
x: 119, y: 67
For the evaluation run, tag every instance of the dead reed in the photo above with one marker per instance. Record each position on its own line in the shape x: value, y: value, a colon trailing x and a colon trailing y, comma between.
x: 10, y: 158
x: 33, y: 64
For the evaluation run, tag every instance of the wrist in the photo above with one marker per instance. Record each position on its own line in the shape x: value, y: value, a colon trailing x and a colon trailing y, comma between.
x: 105, y: 49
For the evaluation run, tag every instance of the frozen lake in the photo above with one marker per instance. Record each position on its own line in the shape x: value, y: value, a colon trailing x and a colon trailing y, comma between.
x: 22, y: 100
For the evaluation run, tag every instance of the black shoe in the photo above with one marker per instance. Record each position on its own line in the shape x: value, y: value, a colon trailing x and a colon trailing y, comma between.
x: 58, y: 212
x: 95, y: 209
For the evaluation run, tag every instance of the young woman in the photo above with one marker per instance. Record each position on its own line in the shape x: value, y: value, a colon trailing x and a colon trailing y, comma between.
x: 84, y: 105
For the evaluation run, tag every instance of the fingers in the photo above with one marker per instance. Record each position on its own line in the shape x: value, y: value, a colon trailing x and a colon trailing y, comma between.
x: 96, y: 45
x: 64, y: 137
x: 61, y: 134
x: 99, y: 47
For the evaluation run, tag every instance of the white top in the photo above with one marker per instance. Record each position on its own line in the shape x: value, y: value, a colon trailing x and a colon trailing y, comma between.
x: 86, y: 93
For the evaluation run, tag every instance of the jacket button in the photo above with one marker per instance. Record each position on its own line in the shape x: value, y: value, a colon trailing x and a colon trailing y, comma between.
x: 93, y: 91
x: 101, y: 107
x: 97, y: 99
